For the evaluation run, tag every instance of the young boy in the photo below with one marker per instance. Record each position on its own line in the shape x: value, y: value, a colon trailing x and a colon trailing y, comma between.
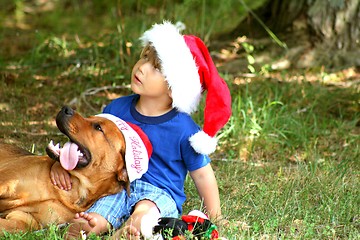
x: 168, y: 80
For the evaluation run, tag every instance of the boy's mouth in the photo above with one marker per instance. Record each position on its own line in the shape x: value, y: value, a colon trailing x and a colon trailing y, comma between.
x: 136, y: 79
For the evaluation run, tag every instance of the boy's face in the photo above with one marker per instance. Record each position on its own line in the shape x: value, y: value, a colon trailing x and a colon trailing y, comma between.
x: 146, y: 77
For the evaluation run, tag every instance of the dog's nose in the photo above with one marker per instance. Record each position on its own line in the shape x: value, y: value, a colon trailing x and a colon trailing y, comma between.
x: 63, y: 119
x: 67, y: 111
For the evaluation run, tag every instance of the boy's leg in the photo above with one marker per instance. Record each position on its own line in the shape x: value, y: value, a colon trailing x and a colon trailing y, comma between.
x: 132, y: 227
x: 87, y: 223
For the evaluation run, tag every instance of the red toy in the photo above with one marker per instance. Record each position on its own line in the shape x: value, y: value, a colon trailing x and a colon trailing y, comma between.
x: 196, y: 224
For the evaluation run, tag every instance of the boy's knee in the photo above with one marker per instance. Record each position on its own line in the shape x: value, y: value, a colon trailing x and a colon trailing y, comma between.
x: 146, y: 206
x: 143, y: 209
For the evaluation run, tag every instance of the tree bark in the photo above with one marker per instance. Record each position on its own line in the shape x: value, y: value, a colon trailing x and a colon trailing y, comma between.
x: 337, y: 23
x: 333, y: 27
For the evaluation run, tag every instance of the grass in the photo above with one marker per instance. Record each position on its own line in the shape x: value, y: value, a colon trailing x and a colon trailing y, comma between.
x: 288, y: 161
x: 289, y: 173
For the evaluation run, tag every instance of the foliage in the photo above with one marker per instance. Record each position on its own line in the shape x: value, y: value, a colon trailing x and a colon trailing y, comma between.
x: 288, y: 160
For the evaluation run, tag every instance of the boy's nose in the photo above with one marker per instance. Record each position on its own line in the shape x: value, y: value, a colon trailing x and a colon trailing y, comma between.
x: 143, y: 66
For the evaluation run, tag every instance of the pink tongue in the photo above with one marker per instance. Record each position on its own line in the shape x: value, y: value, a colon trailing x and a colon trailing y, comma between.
x: 69, y: 156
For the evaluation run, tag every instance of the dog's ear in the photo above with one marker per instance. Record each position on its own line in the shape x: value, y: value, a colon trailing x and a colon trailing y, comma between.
x: 123, y: 176
x: 124, y: 179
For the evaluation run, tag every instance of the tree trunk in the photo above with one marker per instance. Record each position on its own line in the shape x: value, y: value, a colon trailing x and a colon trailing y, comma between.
x: 337, y: 23
x: 333, y: 27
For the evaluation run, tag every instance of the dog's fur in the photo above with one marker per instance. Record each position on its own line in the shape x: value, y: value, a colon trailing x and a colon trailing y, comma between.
x: 28, y: 199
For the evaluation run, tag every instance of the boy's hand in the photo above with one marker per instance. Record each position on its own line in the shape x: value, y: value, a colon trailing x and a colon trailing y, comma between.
x: 60, y: 177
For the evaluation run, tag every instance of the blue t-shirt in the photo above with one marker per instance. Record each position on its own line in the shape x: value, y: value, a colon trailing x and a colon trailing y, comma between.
x: 169, y: 135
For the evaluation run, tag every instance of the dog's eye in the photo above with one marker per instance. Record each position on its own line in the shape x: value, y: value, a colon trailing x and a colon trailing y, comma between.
x: 98, y: 127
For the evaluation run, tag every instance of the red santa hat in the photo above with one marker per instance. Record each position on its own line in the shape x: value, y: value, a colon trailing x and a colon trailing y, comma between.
x: 138, y: 147
x: 189, y: 70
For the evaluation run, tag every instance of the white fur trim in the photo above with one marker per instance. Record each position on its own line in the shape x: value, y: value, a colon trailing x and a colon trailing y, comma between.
x: 148, y: 222
x: 198, y: 213
x: 136, y: 156
x: 178, y: 65
x: 203, y: 143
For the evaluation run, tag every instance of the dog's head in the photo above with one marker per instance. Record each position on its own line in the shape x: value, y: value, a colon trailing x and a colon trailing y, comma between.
x: 95, y: 152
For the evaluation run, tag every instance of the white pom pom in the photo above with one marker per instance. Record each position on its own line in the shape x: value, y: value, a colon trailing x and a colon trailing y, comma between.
x: 203, y: 143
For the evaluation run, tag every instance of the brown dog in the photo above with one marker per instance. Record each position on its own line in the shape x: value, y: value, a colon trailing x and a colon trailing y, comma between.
x: 28, y: 199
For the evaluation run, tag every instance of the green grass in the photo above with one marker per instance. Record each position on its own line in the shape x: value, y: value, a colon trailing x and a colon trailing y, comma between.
x: 288, y: 160
x: 287, y: 173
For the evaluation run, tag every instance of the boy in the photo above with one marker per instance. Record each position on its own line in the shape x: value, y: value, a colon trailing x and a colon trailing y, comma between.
x: 168, y: 81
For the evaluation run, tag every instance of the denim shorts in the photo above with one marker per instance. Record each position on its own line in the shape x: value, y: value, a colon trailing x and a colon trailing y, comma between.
x: 117, y: 208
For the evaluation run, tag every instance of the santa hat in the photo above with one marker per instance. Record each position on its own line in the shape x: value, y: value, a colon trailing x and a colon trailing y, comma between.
x: 189, y: 70
x: 138, y: 147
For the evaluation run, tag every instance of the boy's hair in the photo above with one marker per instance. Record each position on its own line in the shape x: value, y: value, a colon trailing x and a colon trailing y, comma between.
x: 150, y: 52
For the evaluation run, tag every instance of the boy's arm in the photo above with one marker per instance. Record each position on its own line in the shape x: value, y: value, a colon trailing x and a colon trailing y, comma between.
x: 60, y: 177
x: 207, y: 188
